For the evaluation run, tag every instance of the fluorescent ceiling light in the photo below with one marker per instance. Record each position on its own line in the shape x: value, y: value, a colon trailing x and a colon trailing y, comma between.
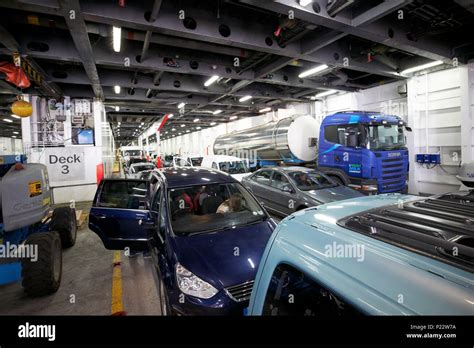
x: 117, y: 108
x: 119, y: 123
x: 15, y: 133
x: 213, y: 123
x: 187, y: 130
x: 305, y: 2
x: 142, y: 123
x: 217, y: 112
x: 233, y: 118
x: 170, y: 115
x: 265, y: 110
x: 181, y: 105
x: 7, y: 120
x: 196, y: 120
x: 13, y: 136
x: 243, y: 99
x: 325, y: 94
x: 198, y: 127
x: 313, y: 71
x: 422, y: 67
x: 117, y: 89
x: 117, y: 38
x: 211, y: 81
x: 173, y: 129
x: 15, y: 116
x: 183, y: 125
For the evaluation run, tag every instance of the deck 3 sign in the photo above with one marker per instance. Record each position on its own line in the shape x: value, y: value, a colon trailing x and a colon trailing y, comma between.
x: 66, y: 164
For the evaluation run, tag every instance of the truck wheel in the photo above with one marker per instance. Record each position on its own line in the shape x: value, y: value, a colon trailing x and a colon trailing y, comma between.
x: 64, y: 222
x: 43, y: 276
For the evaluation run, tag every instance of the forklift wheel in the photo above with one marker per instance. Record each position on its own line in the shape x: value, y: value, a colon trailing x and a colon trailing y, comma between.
x: 64, y: 222
x: 43, y: 276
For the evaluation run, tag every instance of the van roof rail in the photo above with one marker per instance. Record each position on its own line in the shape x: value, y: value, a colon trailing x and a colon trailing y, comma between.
x: 440, y: 227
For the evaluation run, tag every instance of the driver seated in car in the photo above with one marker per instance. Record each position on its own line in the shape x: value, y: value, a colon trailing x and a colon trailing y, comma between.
x: 233, y: 204
x: 303, y: 180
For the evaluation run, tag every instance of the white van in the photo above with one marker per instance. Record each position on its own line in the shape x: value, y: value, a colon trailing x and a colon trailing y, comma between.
x: 232, y: 165
x: 187, y: 160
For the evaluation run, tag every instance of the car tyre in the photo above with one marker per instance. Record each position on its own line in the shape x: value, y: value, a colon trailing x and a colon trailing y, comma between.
x: 43, y: 276
x: 64, y: 222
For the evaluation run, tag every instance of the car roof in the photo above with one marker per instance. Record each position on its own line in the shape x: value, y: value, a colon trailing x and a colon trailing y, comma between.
x: 189, y: 176
x: 292, y: 169
x: 222, y: 158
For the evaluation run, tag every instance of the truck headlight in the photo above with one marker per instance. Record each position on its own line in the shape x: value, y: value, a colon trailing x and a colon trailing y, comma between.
x: 192, y: 285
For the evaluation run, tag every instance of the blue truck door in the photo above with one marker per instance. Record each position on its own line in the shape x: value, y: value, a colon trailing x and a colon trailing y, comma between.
x: 119, y: 214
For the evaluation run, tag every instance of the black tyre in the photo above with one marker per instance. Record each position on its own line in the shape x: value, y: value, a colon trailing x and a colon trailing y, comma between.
x: 43, y: 276
x: 64, y: 222
x: 165, y: 306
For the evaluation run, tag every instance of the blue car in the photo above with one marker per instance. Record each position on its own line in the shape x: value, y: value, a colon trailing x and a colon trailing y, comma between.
x: 206, y: 234
x: 390, y: 254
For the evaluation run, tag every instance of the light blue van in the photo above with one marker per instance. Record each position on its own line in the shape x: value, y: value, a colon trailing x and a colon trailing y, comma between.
x: 390, y: 254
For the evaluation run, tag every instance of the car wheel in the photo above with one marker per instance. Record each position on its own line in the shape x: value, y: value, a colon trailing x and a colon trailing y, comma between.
x: 165, y: 307
x: 64, y: 222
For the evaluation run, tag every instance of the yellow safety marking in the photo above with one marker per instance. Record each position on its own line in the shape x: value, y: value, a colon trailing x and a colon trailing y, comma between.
x: 117, y: 299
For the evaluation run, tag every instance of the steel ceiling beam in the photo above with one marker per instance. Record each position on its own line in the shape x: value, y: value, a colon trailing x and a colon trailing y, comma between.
x: 73, y: 15
x: 12, y: 46
x: 377, y: 31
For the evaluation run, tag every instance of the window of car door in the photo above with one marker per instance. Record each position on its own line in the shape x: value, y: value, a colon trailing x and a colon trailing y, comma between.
x: 263, y: 177
x: 292, y: 292
x: 279, y: 180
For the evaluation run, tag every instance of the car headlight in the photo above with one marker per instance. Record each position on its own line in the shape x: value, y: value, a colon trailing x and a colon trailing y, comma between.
x: 192, y: 285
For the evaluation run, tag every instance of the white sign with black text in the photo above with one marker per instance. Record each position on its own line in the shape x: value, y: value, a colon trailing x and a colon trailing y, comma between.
x: 65, y: 164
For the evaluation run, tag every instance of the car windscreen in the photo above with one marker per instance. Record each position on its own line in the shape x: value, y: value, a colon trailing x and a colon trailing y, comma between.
x: 233, y: 167
x: 144, y: 167
x: 123, y: 194
x: 307, y: 181
x: 196, y: 161
x: 132, y: 153
x: 212, y: 208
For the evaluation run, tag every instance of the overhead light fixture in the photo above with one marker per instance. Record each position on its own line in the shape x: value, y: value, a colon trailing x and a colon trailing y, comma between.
x: 117, y: 89
x: 15, y: 116
x: 7, y: 120
x: 313, y: 71
x: 325, y: 94
x: 265, y: 110
x: 196, y: 120
x: 198, y: 127
x: 117, y: 108
x: 244, y: 99
x: 183, y: 125
x: 181, y: 105
x: 305, y: 2
x: 187, y: 130
x: 15, y: 133
x: 422, y: 67
x: 233, y: 118
x: 211, y: 80
x: 213, y: 123
x: 166, y: 132
x: 13, y: 136
x: 217, y: 112
x: 142, y: 123
x: 170, y: 115
x: 173, y: 129
x: 119, y: 123
x: 117, y: 38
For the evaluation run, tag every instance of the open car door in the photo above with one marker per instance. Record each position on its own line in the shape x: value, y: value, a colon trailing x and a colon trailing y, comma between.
x: 119, y: 214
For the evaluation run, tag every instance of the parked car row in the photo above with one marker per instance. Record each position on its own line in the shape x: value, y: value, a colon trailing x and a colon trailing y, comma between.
x: 218, y: 251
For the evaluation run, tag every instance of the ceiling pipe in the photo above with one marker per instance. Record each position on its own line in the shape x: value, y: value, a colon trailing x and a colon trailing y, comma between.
x: 149, y: 33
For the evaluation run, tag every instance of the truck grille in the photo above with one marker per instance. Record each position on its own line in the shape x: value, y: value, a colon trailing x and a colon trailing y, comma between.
x: 393, y: 172
x: 240, y: 292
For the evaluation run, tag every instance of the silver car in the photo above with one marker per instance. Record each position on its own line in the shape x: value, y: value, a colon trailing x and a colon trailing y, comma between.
x: 137, y: 170
x: 284, y: 190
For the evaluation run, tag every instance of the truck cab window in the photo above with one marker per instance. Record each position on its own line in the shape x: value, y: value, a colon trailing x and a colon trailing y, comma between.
x: 291, y: 292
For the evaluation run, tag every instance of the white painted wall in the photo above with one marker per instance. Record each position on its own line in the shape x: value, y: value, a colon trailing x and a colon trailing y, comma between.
x: 10, y: 146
